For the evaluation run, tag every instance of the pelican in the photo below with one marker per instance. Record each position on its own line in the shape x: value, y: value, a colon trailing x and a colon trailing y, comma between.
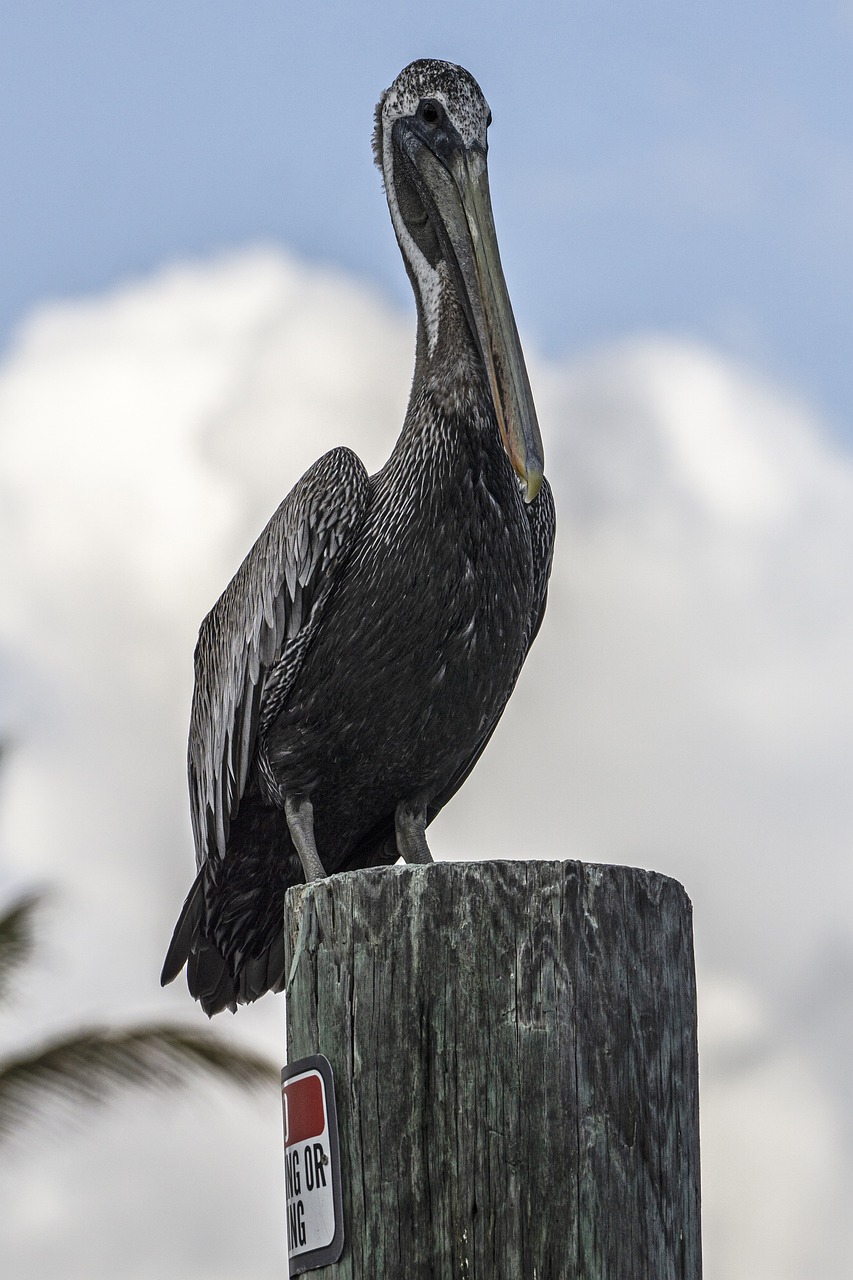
x: 352, y: 672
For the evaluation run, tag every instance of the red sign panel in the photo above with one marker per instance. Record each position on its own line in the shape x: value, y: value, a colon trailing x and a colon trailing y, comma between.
x: 305, y: 1114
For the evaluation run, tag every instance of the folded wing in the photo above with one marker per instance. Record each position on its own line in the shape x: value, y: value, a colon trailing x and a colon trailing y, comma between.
x: 250, y: 650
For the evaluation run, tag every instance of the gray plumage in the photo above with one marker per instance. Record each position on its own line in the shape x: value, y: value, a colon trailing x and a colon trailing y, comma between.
x: 351, y: 674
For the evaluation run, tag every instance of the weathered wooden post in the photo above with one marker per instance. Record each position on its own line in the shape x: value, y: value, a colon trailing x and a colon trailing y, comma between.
x: 514, y: 1048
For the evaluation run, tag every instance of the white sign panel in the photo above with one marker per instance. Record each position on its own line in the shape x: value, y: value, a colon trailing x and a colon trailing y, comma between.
x: 315, y: 1230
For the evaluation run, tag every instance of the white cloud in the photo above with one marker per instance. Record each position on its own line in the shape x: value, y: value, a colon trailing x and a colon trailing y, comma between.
x: 773, y: 1200
x: 689, y: 704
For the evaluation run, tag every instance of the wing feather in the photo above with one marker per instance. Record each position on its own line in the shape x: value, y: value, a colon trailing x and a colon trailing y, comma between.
x: 252, y: 642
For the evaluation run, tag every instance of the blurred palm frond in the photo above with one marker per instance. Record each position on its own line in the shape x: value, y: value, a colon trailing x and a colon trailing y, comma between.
x: 17, y: 937
x: 88, y: 1067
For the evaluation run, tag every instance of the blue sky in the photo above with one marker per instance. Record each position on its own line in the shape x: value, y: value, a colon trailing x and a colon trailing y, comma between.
x: 656, y: 166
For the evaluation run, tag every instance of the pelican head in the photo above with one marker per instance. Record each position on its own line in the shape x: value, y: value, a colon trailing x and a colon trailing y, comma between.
x: 430, y: 143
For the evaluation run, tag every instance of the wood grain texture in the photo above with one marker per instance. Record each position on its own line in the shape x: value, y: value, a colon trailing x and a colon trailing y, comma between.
x: 514, y: 1047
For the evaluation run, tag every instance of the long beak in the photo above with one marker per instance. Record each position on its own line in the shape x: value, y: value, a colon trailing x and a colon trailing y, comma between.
x: 456, y: 188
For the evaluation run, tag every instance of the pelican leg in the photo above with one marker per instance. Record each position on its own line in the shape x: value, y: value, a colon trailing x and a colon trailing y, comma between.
x: 410, y: 825
x: 299, y: 812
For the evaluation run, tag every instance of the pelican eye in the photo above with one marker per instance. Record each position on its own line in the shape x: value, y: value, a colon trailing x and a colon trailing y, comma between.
x: 430, y: 111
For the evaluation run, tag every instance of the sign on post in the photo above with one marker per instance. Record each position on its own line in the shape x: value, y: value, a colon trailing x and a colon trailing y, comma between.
x: 312, y: 1165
